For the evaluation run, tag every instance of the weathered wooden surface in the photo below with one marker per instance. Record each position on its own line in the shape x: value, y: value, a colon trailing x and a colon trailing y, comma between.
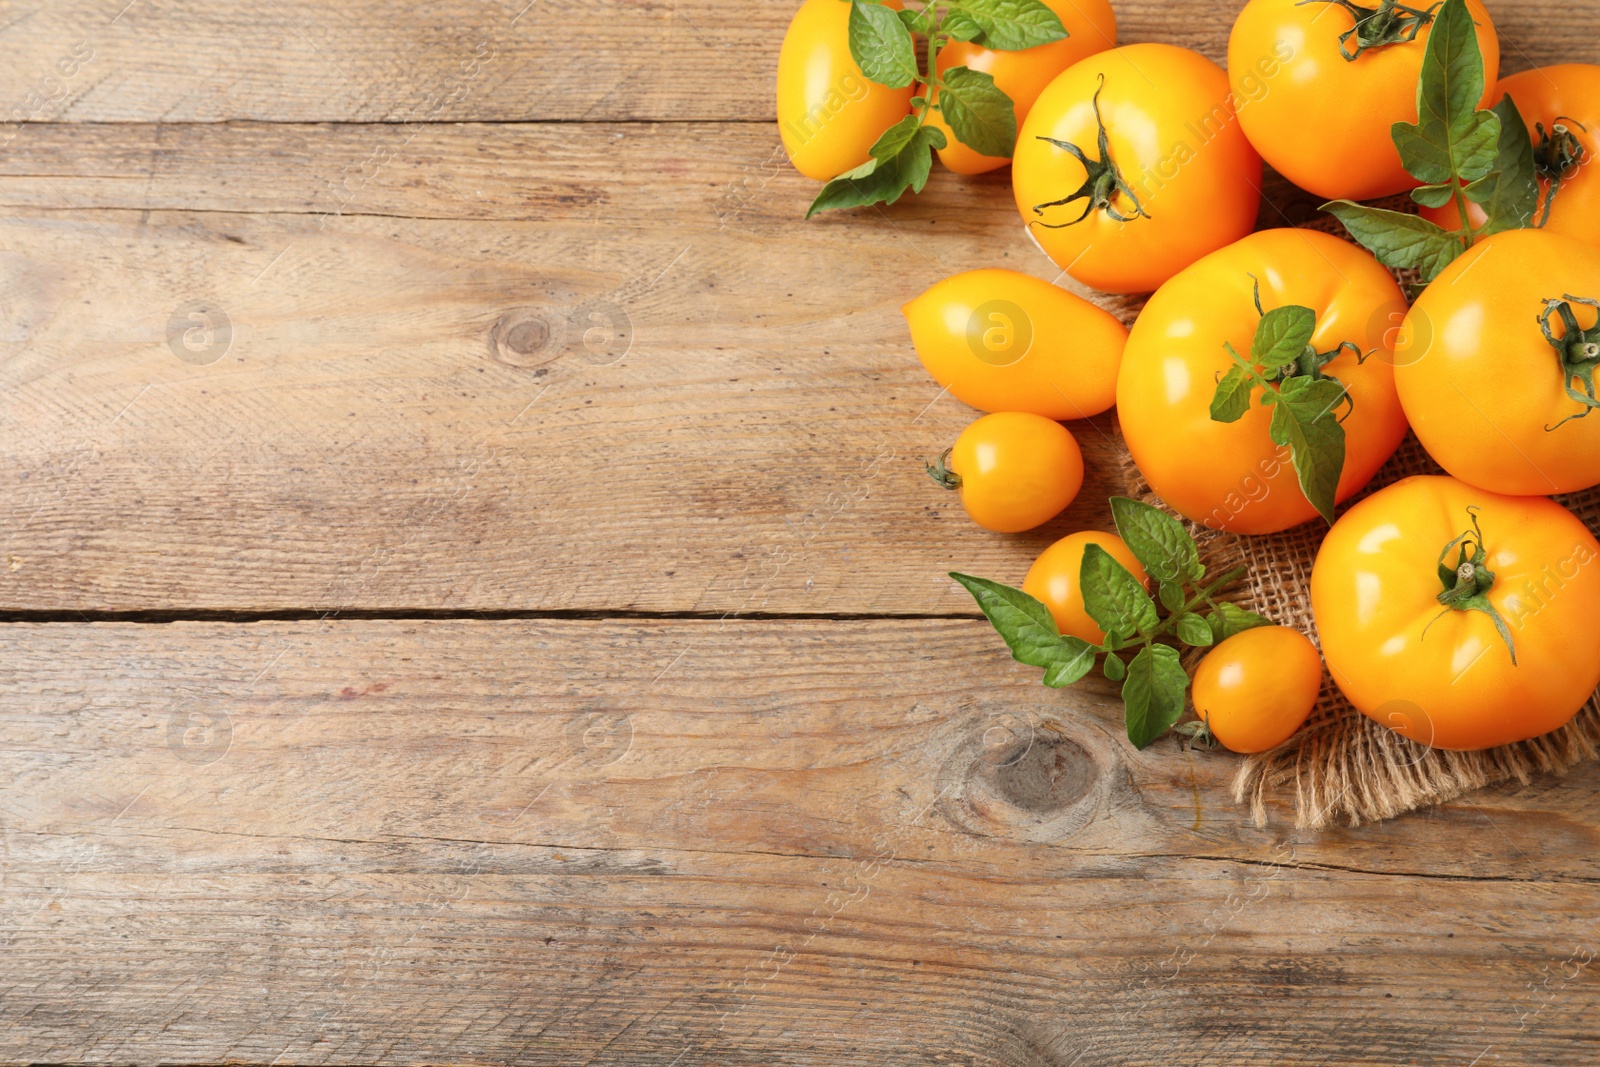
x: 657, y: 842
x: 617, y: 840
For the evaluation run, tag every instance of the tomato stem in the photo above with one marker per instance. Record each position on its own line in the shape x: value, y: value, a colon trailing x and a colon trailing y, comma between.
x: 940, y: 472
x: 1558, y: 157
x: 1468, y: 580
x: 1377, y: 27
x: 1577, y: 349
x: 1102, y: 181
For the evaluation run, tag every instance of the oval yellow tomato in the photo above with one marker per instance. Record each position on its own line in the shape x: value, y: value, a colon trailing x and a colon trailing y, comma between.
x: 1054, y: 580
x: 1254, y: 690
x: 1173, y: 180
x: 829, y: 113
x: 1398, y: 591
x: 1014, y: 471
x: 1003, y: 341
x: 1091, y: 27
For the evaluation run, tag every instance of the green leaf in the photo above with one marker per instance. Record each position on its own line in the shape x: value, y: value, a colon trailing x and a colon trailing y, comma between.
x: 1282, y: 336
x: 1157, y: 540
x: 1011, y: 25
x: 1173, y: 598
x: 1230, y: 619
x: 918, y: 21
x: 1153, y: 693
x: 893, y: 141
x: 1114, y: 598
x: 1434, y: 195
x: 881, y: 45
x: 883, y: 181
x: 1076, y: 661
x: 1193, y: 630
x: 1305, y: 417
x: 978, y: 112
x: 961, y: 27
x: 1399, y: 240
x: 1510, y: 195
x: 1115, y: 670
x: 1232, y: 398
x: 1451, y: 139
x: 1025, y: 624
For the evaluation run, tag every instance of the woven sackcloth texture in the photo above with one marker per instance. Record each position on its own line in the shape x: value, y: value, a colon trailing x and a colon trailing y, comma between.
x: 1343, y: 767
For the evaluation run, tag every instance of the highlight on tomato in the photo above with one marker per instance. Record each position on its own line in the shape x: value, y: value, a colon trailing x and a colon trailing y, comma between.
x: 1560, y: 106
x: 829, y: 113
x: 1256, y: 689
x: 1459, y: 618
x: 1496, y: 365
x: 1055, y: 580
x: 1257, y: 389
x: 1132, y: 165
x: 1091, y: 26
x: 1004, y: 341
x: 1014, y: 471
x: 1321, y: 83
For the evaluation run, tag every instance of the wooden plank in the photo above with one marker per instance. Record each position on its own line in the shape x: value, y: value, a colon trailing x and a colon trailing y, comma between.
x: 661, y: 841
x: 507, y: 60
x: 370, y: 437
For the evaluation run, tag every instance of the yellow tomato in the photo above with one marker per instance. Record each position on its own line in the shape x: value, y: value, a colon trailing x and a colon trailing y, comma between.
x: 1258, y: 687
x: 1053, y: 580
x: 1014, y: 471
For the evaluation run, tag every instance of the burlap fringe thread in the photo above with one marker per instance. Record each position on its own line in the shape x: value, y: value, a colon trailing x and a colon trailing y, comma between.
x: 1343, y: 767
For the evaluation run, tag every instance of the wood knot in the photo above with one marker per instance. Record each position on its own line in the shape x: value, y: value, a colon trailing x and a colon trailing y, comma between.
x: 527, y: 337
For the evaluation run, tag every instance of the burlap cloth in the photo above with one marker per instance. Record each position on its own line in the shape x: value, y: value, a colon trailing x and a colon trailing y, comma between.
x: 1342, y: 767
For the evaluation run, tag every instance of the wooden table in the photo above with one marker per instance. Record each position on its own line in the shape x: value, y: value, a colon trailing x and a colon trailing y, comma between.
x: 471, y: 596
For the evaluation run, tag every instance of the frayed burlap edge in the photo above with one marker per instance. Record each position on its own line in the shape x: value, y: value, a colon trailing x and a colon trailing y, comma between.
x: 1343, y: 767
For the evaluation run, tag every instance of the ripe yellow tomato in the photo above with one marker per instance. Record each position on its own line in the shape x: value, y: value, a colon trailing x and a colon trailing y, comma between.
x: 1053, y: 580
x: 1486, y: 391
x: 829, y: 113
x: 1258, y: 687
x: 1175, y: 180
x: 1091, y: 27
x: 1441, y: 673
x: 1014, y: 471
x: 1323, y: 120
x: 1230, y: 476
x: 1003, y: 341
x: 1561, y: 106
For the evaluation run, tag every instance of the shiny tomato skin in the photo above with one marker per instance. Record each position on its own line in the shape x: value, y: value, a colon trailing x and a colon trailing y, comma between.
x: 1017, y: 471
x: 1004, y: 341
x: 829, y: 113
x: 1091, y: 27
x: 1569, y: 93
x: 1479, y: 382
x: 1445, y: 677
x: 1320, y: 120
x: 1174, y: 138
x: 1053, y: 580
x: 1257, y: 688
x: 1230, y: 476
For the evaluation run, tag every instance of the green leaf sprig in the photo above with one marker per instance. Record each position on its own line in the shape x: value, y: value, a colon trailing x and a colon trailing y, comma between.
x: 1306, y: 403
x: 978, y: 112
x: 1459, y: 152
x: 1143, y: 633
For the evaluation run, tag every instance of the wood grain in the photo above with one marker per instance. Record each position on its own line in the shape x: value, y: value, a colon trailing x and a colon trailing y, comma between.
x: 652, y: 842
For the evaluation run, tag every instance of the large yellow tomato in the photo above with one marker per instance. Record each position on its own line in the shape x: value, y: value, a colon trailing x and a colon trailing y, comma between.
x: 1231, y: 476
x: 829, y: 113
x: 1319, y: 106
x: 1003, y: 341
x: 1407, y: 591
x: 1091, y: 27
x: 1494, y: 400
x: 1132, y: 165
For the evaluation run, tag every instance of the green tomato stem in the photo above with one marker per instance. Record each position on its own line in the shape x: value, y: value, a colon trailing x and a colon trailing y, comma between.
x: 1202, y: 597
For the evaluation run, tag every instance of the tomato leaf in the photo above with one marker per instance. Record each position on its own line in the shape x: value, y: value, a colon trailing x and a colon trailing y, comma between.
x: 1434, y: 195
x: 1399, y: 240
x: 897, y: 164
x: 1153, y: 693
x: 1510, y: 195
x: 1232, y: 398
x: 1305, y: 418
x: 1114, y: 669
x: 1230, y: 619
x: 881, y: 45
x: 918, y: 21
x: 961, y: 27
x: 1193, y: 630
x: 1157, y: 540
x: 1114, y: 598
x: 1026, y: 624
x: 1451, y: 140
x: 1283, y: 336
x: 1075, y: 663
x: 978, y: 112
x: 1010, y: 25
x: 1172, y: 597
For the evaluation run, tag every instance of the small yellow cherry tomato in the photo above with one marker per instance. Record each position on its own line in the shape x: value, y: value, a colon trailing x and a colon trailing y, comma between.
x: 1053, y: 580
x: 829, y: 113
x: 1003, y: 341
x: 1014, y: 471
x: 1258, y: 687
